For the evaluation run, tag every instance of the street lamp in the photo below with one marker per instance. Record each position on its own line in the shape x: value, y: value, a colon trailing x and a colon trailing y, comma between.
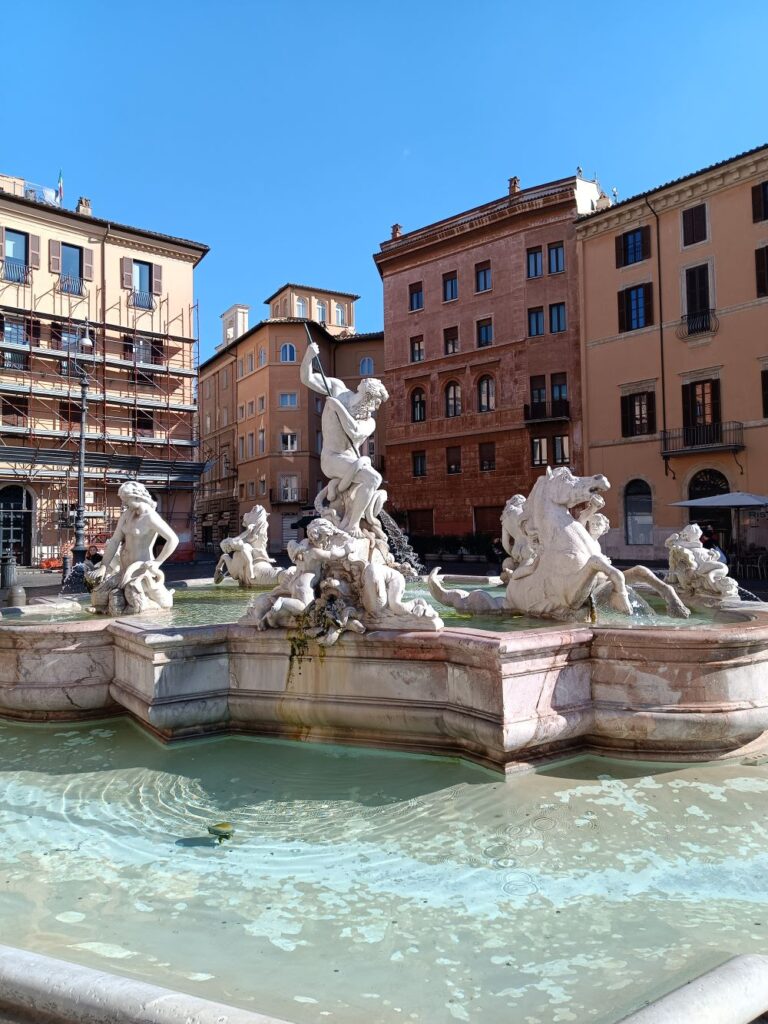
x: 85, y: 348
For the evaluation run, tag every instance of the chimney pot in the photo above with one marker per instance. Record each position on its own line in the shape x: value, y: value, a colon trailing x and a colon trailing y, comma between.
x: 514, y: 185
x: 397, y: 230
x: 84, y: 206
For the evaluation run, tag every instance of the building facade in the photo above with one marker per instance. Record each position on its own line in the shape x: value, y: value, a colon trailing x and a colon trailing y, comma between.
x: 259, y: 426
x: 481, y: 334
x: 674, y: 310
x: 81, y: 295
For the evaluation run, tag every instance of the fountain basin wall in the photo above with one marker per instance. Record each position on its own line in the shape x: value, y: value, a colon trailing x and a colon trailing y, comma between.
x: 501, y: 699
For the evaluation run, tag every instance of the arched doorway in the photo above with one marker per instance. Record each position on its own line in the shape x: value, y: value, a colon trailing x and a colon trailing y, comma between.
x: 16, y: 522
x: 705, y: 484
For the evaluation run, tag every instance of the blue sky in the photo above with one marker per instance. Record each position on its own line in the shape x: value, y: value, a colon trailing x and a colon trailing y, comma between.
x: 290, y: 136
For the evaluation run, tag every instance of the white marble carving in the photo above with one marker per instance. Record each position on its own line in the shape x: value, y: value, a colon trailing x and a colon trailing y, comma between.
x: 343, y: 577
x: 696, y: 572
x: 130, y: 579
x: 554, y: 565
x: 245, y: 557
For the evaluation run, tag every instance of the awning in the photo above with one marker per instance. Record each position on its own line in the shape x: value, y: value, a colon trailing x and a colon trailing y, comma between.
x: 731, y: 499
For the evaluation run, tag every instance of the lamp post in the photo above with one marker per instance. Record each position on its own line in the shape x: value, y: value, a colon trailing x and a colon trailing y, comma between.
x: 85, y: 348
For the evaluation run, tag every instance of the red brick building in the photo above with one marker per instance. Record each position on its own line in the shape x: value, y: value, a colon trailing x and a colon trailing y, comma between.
x: 481, y: 329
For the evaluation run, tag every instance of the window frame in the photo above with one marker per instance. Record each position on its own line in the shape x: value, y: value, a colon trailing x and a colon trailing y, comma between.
x: 451, y: 286
x: 481, y: 270
x: 485, y: 325
x: 554, y: 310
x: 553, y: 249
x: 538, y: 312
x: 534, y: 259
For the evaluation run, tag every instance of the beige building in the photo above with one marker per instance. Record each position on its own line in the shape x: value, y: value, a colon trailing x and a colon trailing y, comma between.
x: 674, y: 326
x: 66, y: 276
x: 259, y: 426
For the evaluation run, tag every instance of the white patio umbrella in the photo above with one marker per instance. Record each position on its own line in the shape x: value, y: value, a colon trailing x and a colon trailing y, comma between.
x: 731, y: 499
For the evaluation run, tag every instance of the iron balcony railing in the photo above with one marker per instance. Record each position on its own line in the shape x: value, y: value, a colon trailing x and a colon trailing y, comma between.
x: 705, y: 321
x: 15, y: 271
x: 70, y: 285
x: 142, y: 300
x: 288, y: 495
x: 557, y: 409
x: 705, y: 436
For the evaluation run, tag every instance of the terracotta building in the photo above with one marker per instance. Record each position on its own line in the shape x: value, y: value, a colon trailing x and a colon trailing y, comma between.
x: 482, y: 355
x: 83, y: 294
x: 259, y: 426
x: 674, y: 312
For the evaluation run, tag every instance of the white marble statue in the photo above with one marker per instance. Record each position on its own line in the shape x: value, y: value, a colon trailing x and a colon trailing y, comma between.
x: 555, y: 565
x: 129, y: 578
x: 343, y: 577
x: 245, y: 557
x: 696, y: 572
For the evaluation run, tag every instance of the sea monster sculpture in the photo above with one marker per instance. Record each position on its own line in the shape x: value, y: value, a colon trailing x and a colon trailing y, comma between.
x: 244, y: 558
x: 696, y: 572
x: 555, y: 564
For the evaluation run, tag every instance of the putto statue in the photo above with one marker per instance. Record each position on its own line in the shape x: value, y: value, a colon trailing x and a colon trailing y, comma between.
x: 129, y: 578
x: 343, y: 576
x: 696, y: 572
x: 555, y: 566
x: 244, y: 558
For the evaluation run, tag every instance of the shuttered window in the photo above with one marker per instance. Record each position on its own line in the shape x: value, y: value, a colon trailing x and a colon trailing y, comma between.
x: 697, y: 289
x: 638, y: 414
x: 760, y: 202
x: 695, y: 224
x: 635, y: 307
x: 764, y: 381
x: 633, y: 246
x: 701, y: 403
x: 761, y: 271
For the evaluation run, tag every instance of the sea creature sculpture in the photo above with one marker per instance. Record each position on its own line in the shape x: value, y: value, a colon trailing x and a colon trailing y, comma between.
x: 696, y: 572
x: 244, y: 558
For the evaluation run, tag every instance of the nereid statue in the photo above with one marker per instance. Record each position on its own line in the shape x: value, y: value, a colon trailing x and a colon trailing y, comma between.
x: 697, y: 572
x: 129, y: 578
x: 245, y: 557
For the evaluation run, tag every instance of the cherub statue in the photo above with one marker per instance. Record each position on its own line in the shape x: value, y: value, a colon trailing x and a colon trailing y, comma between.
x: 245, y: 557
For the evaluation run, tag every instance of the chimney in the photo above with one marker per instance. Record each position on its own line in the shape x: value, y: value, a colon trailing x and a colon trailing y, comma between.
x: 84, y: 207
x: 397, y: 230
x: 514, y: 185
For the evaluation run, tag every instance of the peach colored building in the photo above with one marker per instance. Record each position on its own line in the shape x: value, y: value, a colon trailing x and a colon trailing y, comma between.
x: 64, y: 274
x: 259, y: 426
x: 674, y: 323
x: 481, y: 327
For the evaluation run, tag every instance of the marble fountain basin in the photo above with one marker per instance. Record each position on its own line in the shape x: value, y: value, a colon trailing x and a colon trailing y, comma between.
x: 508, y: 695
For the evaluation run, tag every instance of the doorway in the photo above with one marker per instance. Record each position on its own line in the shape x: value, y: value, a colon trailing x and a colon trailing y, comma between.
x: 16, y: 522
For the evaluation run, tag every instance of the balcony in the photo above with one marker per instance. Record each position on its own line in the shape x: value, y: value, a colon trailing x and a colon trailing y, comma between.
x: 141, y: 300
x: 557, y: 409
x: 15, y: 271
x: 289, y: 496
x: 724, y: 437
x: 703, y: 322
x: 70, y: 285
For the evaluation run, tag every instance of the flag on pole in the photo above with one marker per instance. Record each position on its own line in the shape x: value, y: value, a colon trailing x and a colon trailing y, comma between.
x: 60, y: 190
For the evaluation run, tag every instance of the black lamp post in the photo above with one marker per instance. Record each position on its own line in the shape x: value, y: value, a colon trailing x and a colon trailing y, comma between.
x: 85, y: 348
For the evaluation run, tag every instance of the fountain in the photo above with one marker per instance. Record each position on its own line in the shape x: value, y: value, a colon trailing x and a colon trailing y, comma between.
x: 244, y: 558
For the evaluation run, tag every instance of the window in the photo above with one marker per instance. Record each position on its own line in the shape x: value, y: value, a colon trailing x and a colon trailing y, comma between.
x: 208, y: 387
x: 289, y: 442
x: 251, y: 488
x: 450, y: 286
x: 484, y: 332
x: 262, y: 440
x: 143, y: 423
x: 14, y: 331
x: 15, y: 411
x: 556, y: 252
x: 262, y: 357
x: 538, y: 451
x: 71, y: 280
x: 288, y: 400
x: 241, y: 490
x: 262, y: 485
x: 453, y: 460
x: 16, y: 256
x: 241, y: 447
x: 560, y: 449
x: 536, y: 322
x: 451, y: 340
x: 69, y: 414
x: 635, y: 307
x: 419, y: 460
x: 15, y: 360
x: 224, y: 378
x: 366, y: 366
x: 301, y: 309
x: 276, y: 310
x: 633, y: 246
x: 486, y: 394
x: 539, y: 396
x: 487, y: 453
x: 241, y: 412
x: 239, y: 368
x: 224, y: 415
x: 483, y: 280
x: 415, y: 296
x: 341, y: 315
x: 701, y: 412
x: 249, y: 363
x: 764, y: 383
x: 318, y: 405
x: 760, y: 202
x: 287, y: 353
x: 557, y: 317
x: 319, y: 442
x: 638, y: 414
x: 638, y: 513
x: 289, y: 487
x: 417, y: 349
x: 695, y: 224
x: 559, y: 385
x: 261, y: 405
x: 207, y: 423
x: 535, y: 263
x: 322, y: 312
x: 251, y: 445
x: 761, y: 271
x: 453, y: 399
x: 418, y: 406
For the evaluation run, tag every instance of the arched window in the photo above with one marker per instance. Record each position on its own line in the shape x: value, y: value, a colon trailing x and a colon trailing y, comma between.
x: 705, y: 484
x: 322, y: 312
x: 262, y: 357
x: 486, y: 394
x: 638, y: 513
x: 366, y: 366
x: 453, y: 399
x: 341, y: 315
x: 418, y: 406
x: 287, y: 353
x: 301, y: 308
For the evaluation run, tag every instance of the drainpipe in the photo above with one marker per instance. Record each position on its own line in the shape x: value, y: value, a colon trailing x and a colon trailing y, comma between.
x: 661, y: 334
